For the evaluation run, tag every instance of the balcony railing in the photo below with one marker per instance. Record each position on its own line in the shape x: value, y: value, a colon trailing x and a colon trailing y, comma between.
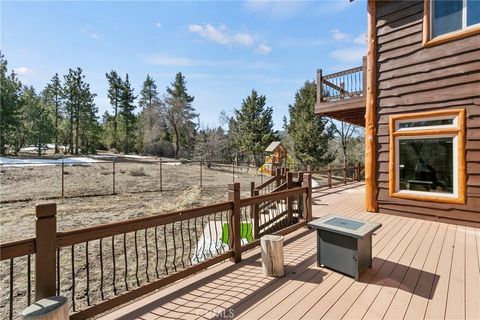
x: 343, y: 85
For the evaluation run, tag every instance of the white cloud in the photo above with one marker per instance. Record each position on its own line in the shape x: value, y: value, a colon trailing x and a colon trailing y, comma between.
x: 221, y: 35
x: 339, y: 35
x: 22, y: 71
x: 349, y: 54
x: 262, y: 48
x: 169, y: 61
x: 297, y: 42
x: 276, y: 9
x: 88, y: 31
x: 94, y: 36
x: 360, y: 39
x: 158, y: 25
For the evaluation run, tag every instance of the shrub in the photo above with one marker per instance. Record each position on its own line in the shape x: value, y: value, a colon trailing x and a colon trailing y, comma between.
x: 137, y: 172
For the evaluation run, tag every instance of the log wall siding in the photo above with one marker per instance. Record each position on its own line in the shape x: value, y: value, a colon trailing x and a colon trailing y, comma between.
x: 412, y: 78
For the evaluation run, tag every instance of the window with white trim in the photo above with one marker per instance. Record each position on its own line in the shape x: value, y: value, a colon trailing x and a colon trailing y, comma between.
x: 427, y: 155
x: 448, y: 16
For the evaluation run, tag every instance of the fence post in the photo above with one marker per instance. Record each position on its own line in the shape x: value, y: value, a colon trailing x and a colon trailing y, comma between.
x: 113, y: 175
x: 46, y: 246
x: 330, y: 175
x: 307, y: 197
x: 63, y: 178
x: 201, y: 173
x: 161, y: 174
x: 344, y: 172
x: 278, y: 177
x: 256, y: 217
x: 359, y: 177
x: 234, y: 197
x: 289, y: 199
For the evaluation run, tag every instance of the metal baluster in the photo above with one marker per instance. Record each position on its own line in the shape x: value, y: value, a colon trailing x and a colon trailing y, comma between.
x: 183, y: 243
x: 196, y: 240
x: 136, y: 260
x: 204, y: 242
x: 58, y: 271
x: 210, y: 233
x: 126, y: 260
x: 114, y: 267
x: 156, y: 251
x: 11, y: 290
x: 174, y: 248
x: 146, y: 255
x: 189, y: 242
x: 216, y: 232
x: 101, y: 269
x: 88, y: 273
x: 29, y: 280
x: 166, y: 247
x: 73, y: 276
x: 221, y: 228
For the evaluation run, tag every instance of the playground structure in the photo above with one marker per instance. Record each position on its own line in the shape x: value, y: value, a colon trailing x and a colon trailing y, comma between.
x: 276, y: 158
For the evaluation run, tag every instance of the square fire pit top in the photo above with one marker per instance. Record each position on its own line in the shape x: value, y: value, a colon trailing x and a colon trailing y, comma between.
x: 345, y: 225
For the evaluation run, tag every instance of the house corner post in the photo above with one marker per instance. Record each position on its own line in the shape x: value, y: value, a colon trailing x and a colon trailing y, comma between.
x: 46, y: 246
x: 235, y: 244
x: 370, y: 112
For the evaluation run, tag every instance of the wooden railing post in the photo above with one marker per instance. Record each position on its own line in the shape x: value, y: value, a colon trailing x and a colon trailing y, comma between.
x: 46, y: 246
x: 359, y: 176
x: 344, y: 172
x: 330, y: 175
x: 234, y: 197
x: 307, y: 197
x: 300, y: 178
x: 319, y: 85
x: 256, y: 217
x: 289, y: 199
x: 309, y: 168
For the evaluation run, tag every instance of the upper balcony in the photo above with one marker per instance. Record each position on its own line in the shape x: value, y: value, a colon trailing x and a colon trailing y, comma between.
x: 341, y: 95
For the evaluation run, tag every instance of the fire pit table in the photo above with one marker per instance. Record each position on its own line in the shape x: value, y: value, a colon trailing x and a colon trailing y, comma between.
x: 344, y: 244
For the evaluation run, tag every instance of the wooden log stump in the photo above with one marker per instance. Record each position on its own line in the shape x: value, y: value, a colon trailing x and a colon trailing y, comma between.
x: 51, y: 308
x: 272, y: 255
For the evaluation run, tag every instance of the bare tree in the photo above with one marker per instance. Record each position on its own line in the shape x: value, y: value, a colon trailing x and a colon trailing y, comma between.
x: 346, y: 132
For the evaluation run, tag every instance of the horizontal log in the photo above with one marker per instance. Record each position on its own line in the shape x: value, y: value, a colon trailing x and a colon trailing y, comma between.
x: 386, y: 8
x: 112, y: 229
x: 400, y: 34
x: 395, y: 17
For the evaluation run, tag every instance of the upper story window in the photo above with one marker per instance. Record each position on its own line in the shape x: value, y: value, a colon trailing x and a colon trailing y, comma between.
x: 453, y: 15
x: 450, y: 19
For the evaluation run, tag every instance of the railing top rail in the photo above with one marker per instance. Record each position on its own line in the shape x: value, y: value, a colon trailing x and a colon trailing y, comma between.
x: 18, y: 248
x: 266, y: 183
x: 342, y: 73
x: 116, y: 228
x: 272, y: 196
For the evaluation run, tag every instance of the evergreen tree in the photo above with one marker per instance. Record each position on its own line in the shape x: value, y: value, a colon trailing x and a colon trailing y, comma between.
x: 53, y: 94
x: 150, y: 119
x: 114, y: 93
x: 79, y: 106
x: 148, y: 94
x: 308, y: 132
x: 252, y: 126
x: 180, y: 114
x: 126, y: 108
x: 9, y: 106
x: 37, y: 119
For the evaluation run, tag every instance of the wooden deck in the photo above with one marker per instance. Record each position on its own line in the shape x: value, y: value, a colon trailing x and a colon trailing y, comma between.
x: 421, y: 269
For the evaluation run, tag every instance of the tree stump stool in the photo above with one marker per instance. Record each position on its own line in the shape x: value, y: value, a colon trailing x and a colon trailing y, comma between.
x: 51, y: 308
x: 272, y: 255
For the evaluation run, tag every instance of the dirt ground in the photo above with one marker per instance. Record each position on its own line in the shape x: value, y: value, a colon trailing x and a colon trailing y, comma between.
x: 137, y: 195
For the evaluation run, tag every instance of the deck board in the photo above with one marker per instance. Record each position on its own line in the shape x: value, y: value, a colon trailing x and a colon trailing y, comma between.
x: 421, y: 269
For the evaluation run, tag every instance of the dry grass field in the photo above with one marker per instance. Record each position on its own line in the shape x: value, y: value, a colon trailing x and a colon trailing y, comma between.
x: 137, y: 188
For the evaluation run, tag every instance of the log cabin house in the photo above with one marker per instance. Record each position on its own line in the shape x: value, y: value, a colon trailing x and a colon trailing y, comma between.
x: 417, y: 94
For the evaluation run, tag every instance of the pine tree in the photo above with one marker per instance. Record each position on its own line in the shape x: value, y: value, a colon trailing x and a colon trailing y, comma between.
x: 9, y: 106
x: 114, y: 93
x: 252, y: 126
x: 308, y: 132
x: 180, y: 114
x: 126, y: 108
x: 150, y: 119
x: 53, y: 94
x: 148, y: 94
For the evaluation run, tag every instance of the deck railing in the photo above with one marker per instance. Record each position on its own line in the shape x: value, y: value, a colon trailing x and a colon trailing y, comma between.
x: 104, y: 266
x: 341, y: 85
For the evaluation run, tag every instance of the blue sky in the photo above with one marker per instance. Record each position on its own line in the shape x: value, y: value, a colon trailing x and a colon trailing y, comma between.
x: 224, y: 49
